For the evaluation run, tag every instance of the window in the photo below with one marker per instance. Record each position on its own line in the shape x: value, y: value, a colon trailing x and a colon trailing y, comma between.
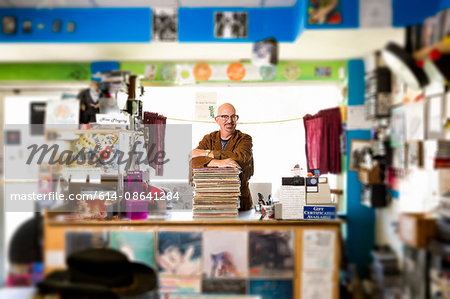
x: 277, y: 146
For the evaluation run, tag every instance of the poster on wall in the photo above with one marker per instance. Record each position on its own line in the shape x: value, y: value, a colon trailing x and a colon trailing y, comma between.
x: 230, y: 24
x: 435, y: 116
x: 318, y: 250
x: 375, y: 13
x: 414, y: 117
x: 265, y: 52
x: 324, y: 12
x: 165, y: 24
x: 205, y: 105
x: 398, y: 126
x: 59, y: 112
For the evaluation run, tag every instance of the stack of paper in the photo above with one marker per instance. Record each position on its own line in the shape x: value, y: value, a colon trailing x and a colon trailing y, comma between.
x: 216, y: 192
x: 293, y: 198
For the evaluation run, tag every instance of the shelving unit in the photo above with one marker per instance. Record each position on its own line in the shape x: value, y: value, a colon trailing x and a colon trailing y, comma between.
x: 54, y: 236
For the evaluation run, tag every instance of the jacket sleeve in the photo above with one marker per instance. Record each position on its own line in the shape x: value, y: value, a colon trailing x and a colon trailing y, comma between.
x: 242, y: 153
x: 200, y: 162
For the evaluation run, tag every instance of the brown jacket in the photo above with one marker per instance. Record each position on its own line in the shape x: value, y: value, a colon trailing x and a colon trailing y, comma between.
x: 239, y: 148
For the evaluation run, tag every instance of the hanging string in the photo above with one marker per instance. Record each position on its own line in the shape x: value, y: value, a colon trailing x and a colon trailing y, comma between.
x: 241, y: 123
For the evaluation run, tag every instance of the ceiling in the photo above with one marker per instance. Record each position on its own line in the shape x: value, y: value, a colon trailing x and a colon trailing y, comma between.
x: 144, y: 3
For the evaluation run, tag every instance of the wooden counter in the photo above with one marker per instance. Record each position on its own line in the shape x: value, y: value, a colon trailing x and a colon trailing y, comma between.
x: 54, y: 234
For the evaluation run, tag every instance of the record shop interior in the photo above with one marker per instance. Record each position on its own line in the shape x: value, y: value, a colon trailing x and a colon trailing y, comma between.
x: 250, y: 149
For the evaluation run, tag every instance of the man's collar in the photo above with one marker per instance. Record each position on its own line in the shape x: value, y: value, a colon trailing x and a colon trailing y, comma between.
x: 231, y: 136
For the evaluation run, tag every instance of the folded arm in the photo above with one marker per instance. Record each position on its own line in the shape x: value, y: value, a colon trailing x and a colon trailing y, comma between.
x: 240, y: 156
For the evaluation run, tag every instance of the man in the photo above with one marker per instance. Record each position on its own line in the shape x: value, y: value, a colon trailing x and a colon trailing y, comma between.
x: 227, y: 148
x: 89, y: 102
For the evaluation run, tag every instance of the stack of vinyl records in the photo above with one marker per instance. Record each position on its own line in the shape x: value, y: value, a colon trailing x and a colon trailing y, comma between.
x: 216, y: 192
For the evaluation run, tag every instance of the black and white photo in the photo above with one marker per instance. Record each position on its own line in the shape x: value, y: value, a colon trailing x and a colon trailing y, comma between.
x: 165, y: 25
x: 230, y: 24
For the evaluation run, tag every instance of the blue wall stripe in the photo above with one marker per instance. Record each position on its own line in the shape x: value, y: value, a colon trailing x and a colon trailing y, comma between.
x: 282, y: 23
x: 360, y: 219
x: 91, y: 25
x: 356, y: 82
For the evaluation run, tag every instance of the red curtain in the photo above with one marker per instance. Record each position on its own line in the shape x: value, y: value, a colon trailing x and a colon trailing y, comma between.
x: 322, y: 134
x: 157, y: 131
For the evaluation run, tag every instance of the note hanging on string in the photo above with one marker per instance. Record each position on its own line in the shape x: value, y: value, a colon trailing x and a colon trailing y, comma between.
x: 205, y: 105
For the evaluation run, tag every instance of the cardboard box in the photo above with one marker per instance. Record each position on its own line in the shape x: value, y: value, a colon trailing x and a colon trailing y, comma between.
x: 415, y: 229
x: 370, y: 176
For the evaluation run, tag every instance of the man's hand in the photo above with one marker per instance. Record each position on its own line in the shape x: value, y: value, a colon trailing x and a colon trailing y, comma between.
x: 224, y: 163
x: 201, y: 153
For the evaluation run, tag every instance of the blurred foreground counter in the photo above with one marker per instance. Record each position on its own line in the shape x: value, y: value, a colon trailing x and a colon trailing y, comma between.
x: 306, y: 253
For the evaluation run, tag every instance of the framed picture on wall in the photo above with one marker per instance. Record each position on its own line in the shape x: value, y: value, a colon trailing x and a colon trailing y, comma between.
x: 414, y: 156
x: 399, y: 157
x: 383, y: 105
x: 165, y: 24
x: 230, y: 24
x: 398, y: 126
x: 435, y: 110
x: 358, y: 148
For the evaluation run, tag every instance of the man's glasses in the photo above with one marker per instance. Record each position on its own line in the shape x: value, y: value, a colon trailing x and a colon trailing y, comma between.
x: 225, y: 117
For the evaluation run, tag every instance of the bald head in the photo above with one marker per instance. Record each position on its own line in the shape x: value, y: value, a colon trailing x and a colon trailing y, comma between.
x: 227, y: 107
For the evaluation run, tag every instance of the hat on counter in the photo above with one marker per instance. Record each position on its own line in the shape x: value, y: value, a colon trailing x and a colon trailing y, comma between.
x: 99, y: 273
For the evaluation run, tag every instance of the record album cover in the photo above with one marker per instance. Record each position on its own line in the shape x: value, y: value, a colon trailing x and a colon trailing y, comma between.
x: 271, y: 253
x: 225, y: 254
x: 138, y: 246
x: 179, y: 253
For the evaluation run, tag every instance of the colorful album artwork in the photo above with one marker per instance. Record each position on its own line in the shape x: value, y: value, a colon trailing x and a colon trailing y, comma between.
x: 62, y: 112
x: 322, y: 72
x: 268, y: 289
x: 138, y: 246
x: 179, y: 253
x: 324, y: 12
x: 271, y: 253
x: 96, y: 150
x: 225, y: 254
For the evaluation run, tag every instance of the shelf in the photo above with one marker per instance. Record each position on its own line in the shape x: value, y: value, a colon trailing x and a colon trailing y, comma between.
x: 442, y: 46
x: 186, y: 218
